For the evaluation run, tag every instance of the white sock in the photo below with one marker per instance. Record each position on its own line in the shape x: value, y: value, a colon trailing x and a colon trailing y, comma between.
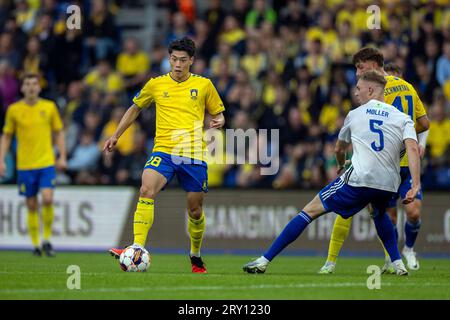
x: 405, y: 248
x: 262, y: 259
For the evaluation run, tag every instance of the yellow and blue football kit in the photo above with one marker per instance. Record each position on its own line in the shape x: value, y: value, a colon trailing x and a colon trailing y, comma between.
x: 33, y: 125
x: 180, y: 109
x: 179, y: 148
x: 404, y: 97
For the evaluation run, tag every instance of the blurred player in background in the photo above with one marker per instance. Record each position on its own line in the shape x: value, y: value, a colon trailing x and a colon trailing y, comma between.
x: 181, y: 100
x: 393, y: 69
x: 378, y: 133
x: 404, y: 97
x: 33, y: 120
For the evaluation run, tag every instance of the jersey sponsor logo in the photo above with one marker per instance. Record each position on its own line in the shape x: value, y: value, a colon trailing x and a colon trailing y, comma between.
x: 165, y: 94
x: 194, y: 94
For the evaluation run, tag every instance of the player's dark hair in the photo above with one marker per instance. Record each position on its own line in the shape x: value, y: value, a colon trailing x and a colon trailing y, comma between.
x: 30, y: 76
x: 369, y: 54
x: 393, y: 68
x: 375, y: 77
x: 183, y: 44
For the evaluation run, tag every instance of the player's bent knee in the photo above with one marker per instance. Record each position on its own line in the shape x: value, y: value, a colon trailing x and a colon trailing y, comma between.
x: 413, y: 215
x: 146, y: 192
x: 47, y: 202
x: 195, y: 212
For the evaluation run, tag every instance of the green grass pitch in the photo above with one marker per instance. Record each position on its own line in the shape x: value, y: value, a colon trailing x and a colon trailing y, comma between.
x: 23, y: 276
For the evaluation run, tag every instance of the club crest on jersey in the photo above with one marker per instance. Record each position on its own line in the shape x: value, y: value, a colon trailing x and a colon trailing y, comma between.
x: 194, y: 94
x: 165, y: 94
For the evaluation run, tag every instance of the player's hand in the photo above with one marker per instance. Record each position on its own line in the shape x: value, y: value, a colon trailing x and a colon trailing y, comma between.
x: 421, y: 151
x: 61, y: 163
x: 2, y: 168
x: 346, y: 164
x: 411, y: 194
x: 217, y: 121
x: 110, y: 144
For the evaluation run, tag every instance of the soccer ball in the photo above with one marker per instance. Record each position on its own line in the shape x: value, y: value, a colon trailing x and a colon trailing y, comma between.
x: 134, y: 259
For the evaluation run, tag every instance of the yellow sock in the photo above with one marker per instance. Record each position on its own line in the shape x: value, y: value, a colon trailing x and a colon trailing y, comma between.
x: 47, y: 219
x: 143, y: 220
x: 340, y: 232
x: 33, y: 227
x: 196, y: 228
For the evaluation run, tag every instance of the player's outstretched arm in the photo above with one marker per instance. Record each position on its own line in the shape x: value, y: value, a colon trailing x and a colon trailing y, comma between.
x: 128, y: 118
x: 217, y: 121
x: 61, y: 162
x: 340, y: 151
x: 5, y: 143
x: 414, y: 167
x: 422, y: 129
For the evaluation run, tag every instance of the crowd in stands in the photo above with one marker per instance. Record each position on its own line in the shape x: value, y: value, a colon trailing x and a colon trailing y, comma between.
x: 283, y: 65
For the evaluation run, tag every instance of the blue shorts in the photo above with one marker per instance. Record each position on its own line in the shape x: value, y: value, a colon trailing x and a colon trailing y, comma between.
x: 347, y: 200
x: 405, y: 186
x: 192, y: 174
x: 30, y: 181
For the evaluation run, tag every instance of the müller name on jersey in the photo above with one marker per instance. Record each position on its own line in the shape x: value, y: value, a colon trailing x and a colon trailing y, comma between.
x: 376, y: 112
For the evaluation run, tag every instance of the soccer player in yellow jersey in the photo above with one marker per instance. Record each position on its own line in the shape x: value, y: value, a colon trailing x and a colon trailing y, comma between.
x: 32, y: 121
x: 404, y: 97
x: 181, y: 100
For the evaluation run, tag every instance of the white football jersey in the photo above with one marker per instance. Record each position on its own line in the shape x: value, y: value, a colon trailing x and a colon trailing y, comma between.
x: 377, y: 131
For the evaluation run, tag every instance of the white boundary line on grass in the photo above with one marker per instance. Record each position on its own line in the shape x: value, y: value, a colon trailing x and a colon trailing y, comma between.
x: 221, y: 288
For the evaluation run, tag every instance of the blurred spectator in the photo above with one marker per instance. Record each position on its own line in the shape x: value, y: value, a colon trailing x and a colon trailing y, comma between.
x: 130, y: 167
x: 233, y: 34
x: 101, y: 32
x: 35, y: 61
x: 293, y: 15
x: 104, y: 79
x: 254, y: 61
x: 125, y: 144
x: 214, y: 17
x: 259, y: 14
x: 240, y: 10
x: 224, y: 55
x: 67, y: 57
x: 9, y: 86
x: 426, y: 83
x: 133, y: 64
x: 179, y: 28
x: 439, y: 137
x: 8, y: 51
x: 25, y: 16
x: 443, y: 64
x: 85, y: 155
